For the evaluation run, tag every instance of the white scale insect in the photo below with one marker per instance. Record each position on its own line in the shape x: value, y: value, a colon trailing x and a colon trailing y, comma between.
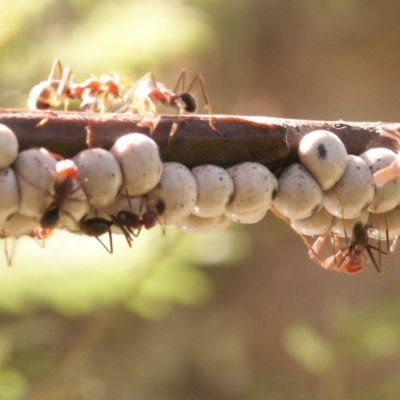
x: 208, y: 197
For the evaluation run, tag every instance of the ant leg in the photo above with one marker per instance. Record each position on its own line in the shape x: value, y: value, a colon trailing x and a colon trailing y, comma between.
x: 126, y: 231
x: 371, y: 256
x: 64, y: 82
x: 109, y: 250
x: 314, y: 249
x: 379, y: 248
x: 205, y: 97
x: 395, y: 243
x: 182, y: 77
x: 9, y: 257
x: 56, y: 64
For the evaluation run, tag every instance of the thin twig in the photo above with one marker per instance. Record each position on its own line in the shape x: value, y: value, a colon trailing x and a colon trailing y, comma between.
x: 269, y: 141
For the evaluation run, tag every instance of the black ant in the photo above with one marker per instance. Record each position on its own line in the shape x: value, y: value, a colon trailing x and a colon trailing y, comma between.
x: 131, y: 224
x: 95, y: 227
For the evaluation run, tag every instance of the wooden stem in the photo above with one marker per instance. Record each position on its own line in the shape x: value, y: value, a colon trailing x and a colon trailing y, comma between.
x: 270, y: 141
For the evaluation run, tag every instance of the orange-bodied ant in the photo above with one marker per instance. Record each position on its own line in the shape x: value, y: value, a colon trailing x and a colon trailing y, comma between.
x: 350, y: 257
x: 54, y: 92
x: 95, y: 92
x: 146, y: 92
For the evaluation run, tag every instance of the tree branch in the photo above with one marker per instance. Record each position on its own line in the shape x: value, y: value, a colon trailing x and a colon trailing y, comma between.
x: 270, y: 141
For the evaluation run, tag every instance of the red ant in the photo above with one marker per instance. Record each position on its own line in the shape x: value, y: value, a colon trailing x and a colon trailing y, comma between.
x: 65, y: 184
x: 147, y: 91
x: 67, y: 173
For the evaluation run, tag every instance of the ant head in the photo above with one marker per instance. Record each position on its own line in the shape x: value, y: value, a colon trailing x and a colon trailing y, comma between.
x: 149, y: 219
x: 187, y: 102
x: 67, y: 169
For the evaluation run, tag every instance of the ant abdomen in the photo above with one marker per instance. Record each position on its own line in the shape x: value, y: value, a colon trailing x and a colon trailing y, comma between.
x: 50, y: 218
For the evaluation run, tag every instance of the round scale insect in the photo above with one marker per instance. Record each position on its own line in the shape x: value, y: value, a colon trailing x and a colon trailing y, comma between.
x: 299, y: 195
x: 8, y: 146
x: 215, y: 189
x: 102, y: 175
x: 353, y: 193
x: 175, y: 195
x: 385, y: 223
x: 324, y: 155
x: 387, y: 196
x: 140, y: 162
x: 16, y: 226
x: 317, y: 224
x: 36, y: 183
x: 196, y: 224
x: 9, y: 193
x: 255, y: 188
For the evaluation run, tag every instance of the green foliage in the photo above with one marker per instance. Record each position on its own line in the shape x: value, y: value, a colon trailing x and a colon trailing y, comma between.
x: 74, y: 276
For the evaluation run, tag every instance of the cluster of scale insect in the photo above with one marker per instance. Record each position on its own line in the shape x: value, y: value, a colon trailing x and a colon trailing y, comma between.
x: 344, y: 200
x: 122, y: 191
x: 106, y: 93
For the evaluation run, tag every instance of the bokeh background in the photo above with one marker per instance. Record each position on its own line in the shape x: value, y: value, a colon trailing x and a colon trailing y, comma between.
x: 243, y: 314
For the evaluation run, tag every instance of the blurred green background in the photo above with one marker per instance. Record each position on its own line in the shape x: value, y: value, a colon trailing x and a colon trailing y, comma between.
x: 77, y: 323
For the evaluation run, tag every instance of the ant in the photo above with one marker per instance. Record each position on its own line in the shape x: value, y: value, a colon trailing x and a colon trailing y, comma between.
x: 131, y: 224
x: 147, y: 91
x: 350, y: 257
x: 52, y: 92
x: 95, y: 227
x: 64, y: 186
x: 92, y: 92
x: 95, y: 92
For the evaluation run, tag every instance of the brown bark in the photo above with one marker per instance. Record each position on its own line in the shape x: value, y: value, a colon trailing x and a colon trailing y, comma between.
x: 269, y: 141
